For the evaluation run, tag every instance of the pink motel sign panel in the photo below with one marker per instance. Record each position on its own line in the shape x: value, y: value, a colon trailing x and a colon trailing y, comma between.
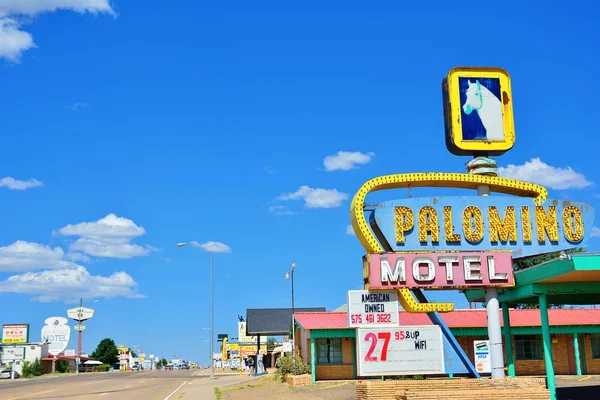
x: 447, y: 270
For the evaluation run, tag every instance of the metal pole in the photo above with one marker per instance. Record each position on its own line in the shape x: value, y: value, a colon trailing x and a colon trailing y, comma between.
x: 293, y: 325
x: 212, y: 319
x: 547, y: 346
x: 79, y: 341
x: 510, y: 360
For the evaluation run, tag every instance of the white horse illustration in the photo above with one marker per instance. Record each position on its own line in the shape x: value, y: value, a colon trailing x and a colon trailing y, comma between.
x: 488, y: 107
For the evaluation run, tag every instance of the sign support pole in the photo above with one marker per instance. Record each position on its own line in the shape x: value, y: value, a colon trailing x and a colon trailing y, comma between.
x: 78, y: 341
x: 492, y: 309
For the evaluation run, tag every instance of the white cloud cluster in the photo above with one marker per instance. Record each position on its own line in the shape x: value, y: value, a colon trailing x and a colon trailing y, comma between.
x: 350, y: 230
x: 69, y: 284
x: 213, y: 247
x: 107, y: 237
x: 50, y: 274
x: 15, y: 184
x: 280, y: 210
x: 346, y: 160
x: 595, y: 232
x: 26, y: 256
x: 14, y: 41
x: 316, y: 198
x: 537, y: 171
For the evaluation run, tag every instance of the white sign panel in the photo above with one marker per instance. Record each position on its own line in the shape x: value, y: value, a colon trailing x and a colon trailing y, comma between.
x: 374, y: 308
x: 80, y: 313
x: 15, y: 333
x: 70, y: 352
x: 404, y: 350
x: 243, y: 338
x: 57, y: 332
x: 481, y: 349
x: 12, y: 353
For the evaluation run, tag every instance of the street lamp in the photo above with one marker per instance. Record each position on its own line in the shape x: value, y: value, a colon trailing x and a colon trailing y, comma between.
x: 287, y: 276
x: 212, y: 304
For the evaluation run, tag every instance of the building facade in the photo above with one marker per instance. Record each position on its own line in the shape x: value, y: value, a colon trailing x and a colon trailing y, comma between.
x: 324, y: 341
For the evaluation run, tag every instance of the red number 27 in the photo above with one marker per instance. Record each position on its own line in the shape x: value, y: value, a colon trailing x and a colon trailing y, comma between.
x: 386, y: 341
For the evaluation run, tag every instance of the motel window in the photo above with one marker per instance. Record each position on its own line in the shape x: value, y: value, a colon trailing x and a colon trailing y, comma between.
x: 595, y: 346
x: 528, y: 347
x: 329, y: 351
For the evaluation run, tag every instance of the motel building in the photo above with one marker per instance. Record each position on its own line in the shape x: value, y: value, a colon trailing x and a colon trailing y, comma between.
x: 324, y: 341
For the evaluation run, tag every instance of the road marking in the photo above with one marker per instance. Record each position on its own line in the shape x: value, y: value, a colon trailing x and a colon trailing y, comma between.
x: 127, y: 387
x: 32, y: 394
x: 104, y: 394
x: 175, y: 391
x: 94, y: 382
x: 583, y: 379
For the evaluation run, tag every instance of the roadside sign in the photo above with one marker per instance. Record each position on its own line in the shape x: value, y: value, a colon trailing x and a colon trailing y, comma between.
x: 80, y: 313
x: 12, y: 353
x: 372, y: 308
x: 478, y: 111
x: 405, y: 350
x: 482, y: 356
x: 70, y: 352
x: 15, y: 333
x: 79, y: 327
x: 57, y: 333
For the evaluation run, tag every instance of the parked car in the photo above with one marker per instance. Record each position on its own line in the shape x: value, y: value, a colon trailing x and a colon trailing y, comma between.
x: 6, y: 373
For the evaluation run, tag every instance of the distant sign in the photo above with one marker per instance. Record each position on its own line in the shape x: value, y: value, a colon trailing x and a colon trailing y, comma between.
x: 80, y: 313
x: 405, y: 350
x: 12, y: 353
x: 79, y: 327
x: 57, y: 333
x: 15, y: 333
x: 372, y: 308
x: 476, y: 223
x: 478, y: 111
x: 70, y: 352
x: 481, y: 349
x: 243, y: 338
x: 222, y: 336
x: 450, y: 270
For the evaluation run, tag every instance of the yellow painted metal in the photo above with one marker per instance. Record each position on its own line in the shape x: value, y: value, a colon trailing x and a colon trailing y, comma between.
x: 495, y: 147
x: 430, y: 179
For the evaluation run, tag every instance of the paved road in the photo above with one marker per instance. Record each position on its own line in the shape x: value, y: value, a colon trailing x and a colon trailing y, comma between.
x: 142, y: 385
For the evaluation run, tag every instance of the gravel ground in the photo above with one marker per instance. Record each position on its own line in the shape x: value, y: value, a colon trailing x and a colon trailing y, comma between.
x: 267, y: 388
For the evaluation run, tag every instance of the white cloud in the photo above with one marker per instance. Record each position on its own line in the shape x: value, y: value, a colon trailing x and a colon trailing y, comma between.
x: 214, y: 247
x: 346, y: 160
x: 349, y: 230
x: 68, y: 284
x: 537, y: 171
x: 595, y: 232
x: 78, y: 106
x: 316, y: 198
x: 108, y: 237
x: 77, y: 257
x: 14, y: 41
x: 280, y: 210
x: 15, y: 184
x: 22, y: 256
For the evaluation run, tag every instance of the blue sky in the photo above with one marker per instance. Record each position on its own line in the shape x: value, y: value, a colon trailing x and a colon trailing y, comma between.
x: 127, y: 129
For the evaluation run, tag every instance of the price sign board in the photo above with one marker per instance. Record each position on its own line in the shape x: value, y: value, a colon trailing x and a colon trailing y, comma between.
x: 404, y: 350
x: 372, y: 308
x: 17, y: 333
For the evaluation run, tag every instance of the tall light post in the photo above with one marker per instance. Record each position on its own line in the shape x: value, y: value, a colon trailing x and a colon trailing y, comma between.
x: 212, y: 305
x: 287, y: 276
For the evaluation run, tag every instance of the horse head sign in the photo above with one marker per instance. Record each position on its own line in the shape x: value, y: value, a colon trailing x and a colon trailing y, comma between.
x: 478, y: 111
x: 57, y: 333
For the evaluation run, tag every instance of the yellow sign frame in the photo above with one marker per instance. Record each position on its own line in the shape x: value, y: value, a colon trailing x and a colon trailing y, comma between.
x: 452, y: 112
x: 430, y: 179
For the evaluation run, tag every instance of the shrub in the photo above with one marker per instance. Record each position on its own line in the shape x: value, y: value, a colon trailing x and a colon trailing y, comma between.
x: 292, y: 365
x: 62, y: 366
x: 32, y: 368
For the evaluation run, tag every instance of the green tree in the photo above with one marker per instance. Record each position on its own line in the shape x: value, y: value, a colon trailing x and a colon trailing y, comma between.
x: 32, y: 368
x: 62, y: 366
x: 524, y: 263
x: 134, y: 354
x: 106, y: 352
x: 271, y: 341
x: 162, y: 363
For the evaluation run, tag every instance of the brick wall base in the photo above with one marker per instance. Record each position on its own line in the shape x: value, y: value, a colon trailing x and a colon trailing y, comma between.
x: 298, y: 380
